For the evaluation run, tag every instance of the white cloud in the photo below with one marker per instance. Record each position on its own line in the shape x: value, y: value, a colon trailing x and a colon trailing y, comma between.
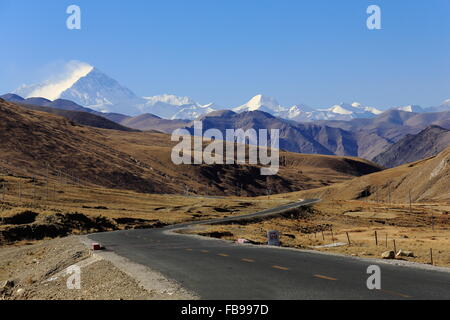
x: 52, y: 89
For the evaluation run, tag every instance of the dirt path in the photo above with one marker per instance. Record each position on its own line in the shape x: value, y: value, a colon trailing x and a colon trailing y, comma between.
x: 39, y: 272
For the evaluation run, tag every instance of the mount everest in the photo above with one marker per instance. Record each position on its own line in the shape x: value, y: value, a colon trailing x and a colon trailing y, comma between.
x: 91, y: 88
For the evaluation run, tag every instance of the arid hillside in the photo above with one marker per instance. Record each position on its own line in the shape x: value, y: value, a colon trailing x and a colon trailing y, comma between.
x: 429, y: 142
x: 376, y: 135
x: 421, y: 181
x: 148, y: 122
x: 40, y: 144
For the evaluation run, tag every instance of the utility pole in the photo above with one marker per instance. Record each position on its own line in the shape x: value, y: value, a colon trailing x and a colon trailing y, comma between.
x: 410, y: 206
x: 268, y: 188
x: 47, y: 182
x: 389, y: 192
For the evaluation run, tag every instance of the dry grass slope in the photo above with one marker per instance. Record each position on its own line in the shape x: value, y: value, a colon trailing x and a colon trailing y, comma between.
x: 33, y: 141
x: 424, y: 181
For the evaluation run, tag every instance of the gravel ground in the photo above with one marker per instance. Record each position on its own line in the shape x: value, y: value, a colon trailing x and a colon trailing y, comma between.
x: 39, y: 272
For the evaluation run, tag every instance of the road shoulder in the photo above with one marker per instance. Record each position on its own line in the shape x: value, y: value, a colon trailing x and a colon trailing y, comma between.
x: 39, y: 271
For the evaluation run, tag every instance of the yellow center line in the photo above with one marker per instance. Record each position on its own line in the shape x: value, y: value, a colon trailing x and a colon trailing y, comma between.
x: 324, y: 277
x: 204, y: 251
x: 280, y: 268
x: 188, y: 249
x: 396, y: 293
x: 248, y: 260
x: 223, y: 255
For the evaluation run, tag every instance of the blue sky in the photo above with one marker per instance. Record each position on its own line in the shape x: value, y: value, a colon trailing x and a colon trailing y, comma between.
x: 317, y: 52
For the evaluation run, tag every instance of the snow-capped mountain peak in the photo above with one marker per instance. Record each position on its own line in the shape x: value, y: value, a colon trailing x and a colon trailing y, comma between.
x: 350, y: 111
x: 169, y: 99
x: 261, y: 103
x: 170, y: 106
x: 89, y: 87
x: 410, y: 108
x: 302, y: 112
x: 445, y: 106
x: 86, y: 86
x: 298, y: 111
x: 100, y: 92
x: 53, y: 88
x: 194, y: 111
x: 341, y: 109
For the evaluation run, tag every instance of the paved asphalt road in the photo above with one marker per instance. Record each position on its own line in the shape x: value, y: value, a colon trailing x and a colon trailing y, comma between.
x: 220, y: 270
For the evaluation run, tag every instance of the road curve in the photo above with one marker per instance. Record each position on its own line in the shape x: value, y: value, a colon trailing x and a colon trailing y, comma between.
x: 221, y: 270
x: 261, y: 214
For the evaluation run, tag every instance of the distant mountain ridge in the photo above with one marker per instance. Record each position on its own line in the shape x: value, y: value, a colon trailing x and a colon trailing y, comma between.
x: 426, y: 180
x: 89, y: 87
x: 376, y: 135
x: 149, y: 121
x: 295, y: 137
x: 40, y: 144
x: 304, y: 113
x: 365, y: 138
x: 427, y: 143
x: 71, y: 111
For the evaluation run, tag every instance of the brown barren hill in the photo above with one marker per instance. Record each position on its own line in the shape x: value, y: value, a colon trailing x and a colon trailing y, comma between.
x: 410, y: 148
x: 40, y: 144
x: 424, y: 180
x: 148, y: 122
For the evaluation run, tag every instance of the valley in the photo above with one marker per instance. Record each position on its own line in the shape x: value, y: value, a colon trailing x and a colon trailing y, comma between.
x: 63, y: 178
x: 225, y: 154
x: 72, y: 172
x: 42, y: 145
x: 405, y: 208
x: 371, y: 138
x: 371, y: 227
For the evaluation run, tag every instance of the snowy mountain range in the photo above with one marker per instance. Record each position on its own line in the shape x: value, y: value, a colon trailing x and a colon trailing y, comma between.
x: 86, y: 86
x: 91, y: 88
x: 303, y: 112
x: 410, y: 108
x: 173, y: 107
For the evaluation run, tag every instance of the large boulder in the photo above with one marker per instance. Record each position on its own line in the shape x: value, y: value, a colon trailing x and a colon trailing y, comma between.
x: 7, y: 284
x: 6, y: 288
x: 402, y: 253
x: 388, y: 255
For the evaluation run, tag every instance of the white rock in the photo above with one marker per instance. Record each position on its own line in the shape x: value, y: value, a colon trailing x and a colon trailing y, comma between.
x: 20, y: 292
x: 388, y: 255
x: 402, y: 253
